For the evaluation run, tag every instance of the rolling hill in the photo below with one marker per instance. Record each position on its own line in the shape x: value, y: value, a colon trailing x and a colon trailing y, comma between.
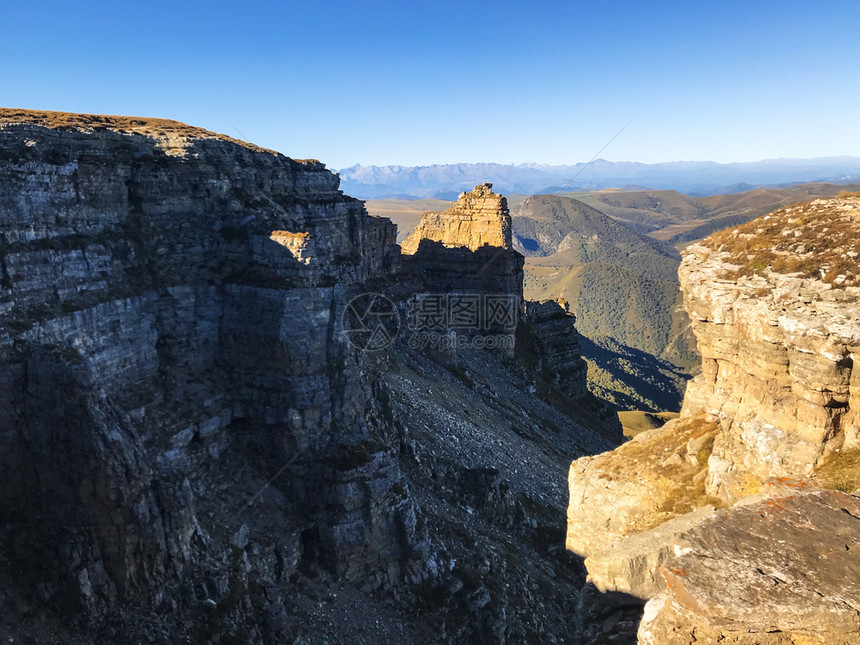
x: 623, y: 288
x: 679, y: 219
x: 665, y: 215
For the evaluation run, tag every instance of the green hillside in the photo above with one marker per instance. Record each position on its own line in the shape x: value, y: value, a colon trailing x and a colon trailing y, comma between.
x: 550, y: 224
x: 619, y: 283
x: 623, y: 288
x: 631, y: 379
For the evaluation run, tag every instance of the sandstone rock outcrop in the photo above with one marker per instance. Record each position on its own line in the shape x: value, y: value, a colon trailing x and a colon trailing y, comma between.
x: 479, y: 217
x: 779, y: 350
x: 782, y: 570
x: 466, y: 251
x: 771, y: 419
x: 657, y: 475
x: 548, y: 341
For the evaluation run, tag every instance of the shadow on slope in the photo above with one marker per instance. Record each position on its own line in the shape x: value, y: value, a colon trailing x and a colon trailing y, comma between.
x: 631, y: 379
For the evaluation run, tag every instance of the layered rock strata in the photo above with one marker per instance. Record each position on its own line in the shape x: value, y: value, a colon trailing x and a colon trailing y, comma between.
x: 478, y: 218
x: 770, y: 421
x: 779, y: 350
x: 166, y: 345
x: 558, y: 350
x: 193, y: 450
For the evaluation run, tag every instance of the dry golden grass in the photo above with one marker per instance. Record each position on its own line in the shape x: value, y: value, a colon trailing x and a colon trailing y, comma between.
x: 818, y: 240
x: 840, y: 470
x: 678, y: 485
x: 638, y: 421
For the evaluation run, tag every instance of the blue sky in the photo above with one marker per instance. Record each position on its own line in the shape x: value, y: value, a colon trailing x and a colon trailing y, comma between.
x: 442, y: 82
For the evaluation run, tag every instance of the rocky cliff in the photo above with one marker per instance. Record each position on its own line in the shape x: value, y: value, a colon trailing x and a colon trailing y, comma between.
x: 194, y: 448
x: 729, y: 509
x: 159, y: 322
x: 477, y: 218
x: 775, y: 306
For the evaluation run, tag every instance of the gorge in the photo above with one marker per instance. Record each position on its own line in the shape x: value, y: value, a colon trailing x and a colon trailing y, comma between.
x: 192, y: 449
x: 235, y: 410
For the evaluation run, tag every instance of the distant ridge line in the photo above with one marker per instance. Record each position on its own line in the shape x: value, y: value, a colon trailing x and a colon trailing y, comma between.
x: 697, y: 178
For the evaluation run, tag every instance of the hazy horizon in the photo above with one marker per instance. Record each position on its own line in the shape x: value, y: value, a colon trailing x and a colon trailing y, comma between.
x: 615, y: 161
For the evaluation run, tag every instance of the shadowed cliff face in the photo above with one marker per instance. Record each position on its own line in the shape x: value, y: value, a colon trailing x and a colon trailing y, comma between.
x: 168, y: 312
x: 186, y: 431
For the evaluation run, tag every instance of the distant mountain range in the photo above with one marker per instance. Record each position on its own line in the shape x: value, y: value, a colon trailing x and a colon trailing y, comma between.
x: 690, y: 177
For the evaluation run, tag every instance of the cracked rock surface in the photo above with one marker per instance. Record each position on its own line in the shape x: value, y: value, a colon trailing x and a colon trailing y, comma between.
x: 779, y: 570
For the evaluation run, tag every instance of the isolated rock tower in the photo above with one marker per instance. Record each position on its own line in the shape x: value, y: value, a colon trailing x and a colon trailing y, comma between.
x: 479, y: 217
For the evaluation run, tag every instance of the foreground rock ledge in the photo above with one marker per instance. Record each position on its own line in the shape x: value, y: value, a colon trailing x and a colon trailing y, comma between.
x: 782, y: 570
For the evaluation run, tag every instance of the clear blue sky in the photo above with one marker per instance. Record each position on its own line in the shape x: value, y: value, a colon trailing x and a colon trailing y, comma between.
x: 441, y: 82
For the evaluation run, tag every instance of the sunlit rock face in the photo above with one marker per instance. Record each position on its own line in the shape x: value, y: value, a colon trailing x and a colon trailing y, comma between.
x: 771, y: 421
x: 779, y: 331
x: 477, y: 218
x: 772, y: 572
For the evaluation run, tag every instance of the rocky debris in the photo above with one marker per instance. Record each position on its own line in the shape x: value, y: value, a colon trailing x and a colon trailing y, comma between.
x: 782, y: 570
x: 485, y: 459
x: 478, y: 218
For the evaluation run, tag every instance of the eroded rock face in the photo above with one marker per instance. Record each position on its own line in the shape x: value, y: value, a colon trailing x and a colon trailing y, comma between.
x: 167, y: 342
x: 478, y: 218
x: 558, y: 343
x: 657, y: 475
x: 776, y: 314
x: 190, y: 448
x: 778, y: 359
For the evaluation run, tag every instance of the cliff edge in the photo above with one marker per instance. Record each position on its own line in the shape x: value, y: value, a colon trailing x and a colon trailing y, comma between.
x: 768, y: 430
x: 198, y: 442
